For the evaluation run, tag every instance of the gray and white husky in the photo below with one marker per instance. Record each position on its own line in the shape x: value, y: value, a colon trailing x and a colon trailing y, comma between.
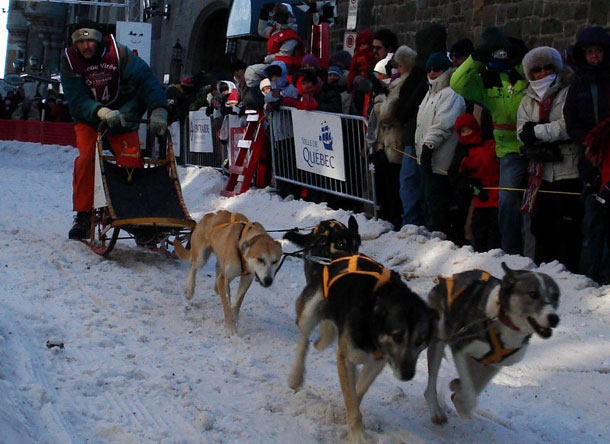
x: 487, y: 323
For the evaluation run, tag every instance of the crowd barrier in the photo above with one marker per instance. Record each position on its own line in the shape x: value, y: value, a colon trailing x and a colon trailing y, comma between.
x: 318, y: 158
x: 50, y: 133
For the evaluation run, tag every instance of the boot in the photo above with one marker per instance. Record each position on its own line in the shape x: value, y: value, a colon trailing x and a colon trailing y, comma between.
x: 82, y: 226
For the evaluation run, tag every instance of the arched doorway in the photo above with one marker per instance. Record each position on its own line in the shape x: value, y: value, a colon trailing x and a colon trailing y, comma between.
x: 208, y: 41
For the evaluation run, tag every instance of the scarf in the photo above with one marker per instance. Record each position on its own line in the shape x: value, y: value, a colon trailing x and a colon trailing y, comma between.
x: 541, y: 86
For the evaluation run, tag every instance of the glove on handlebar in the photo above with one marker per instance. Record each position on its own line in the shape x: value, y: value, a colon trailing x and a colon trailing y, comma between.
x: 112, y: 117
x: 158, y: 121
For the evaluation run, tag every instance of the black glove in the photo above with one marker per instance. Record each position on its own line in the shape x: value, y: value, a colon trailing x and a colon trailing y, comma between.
x: 477, y: 189
x: 482, y: 54
x: 425, y: 159
x: 527, y: 134
x: 603, y: 197
x: 265, y: 11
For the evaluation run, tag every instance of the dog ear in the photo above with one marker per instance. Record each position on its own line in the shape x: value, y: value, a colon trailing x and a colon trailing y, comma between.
x: 509, y: 273
x: 352, y: 224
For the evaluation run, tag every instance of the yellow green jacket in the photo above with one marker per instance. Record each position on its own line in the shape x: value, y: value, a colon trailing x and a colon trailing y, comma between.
x: 502, y: 102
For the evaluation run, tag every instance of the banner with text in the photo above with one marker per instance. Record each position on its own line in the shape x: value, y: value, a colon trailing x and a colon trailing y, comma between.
x: 200, y: 133
x: 318, y: 143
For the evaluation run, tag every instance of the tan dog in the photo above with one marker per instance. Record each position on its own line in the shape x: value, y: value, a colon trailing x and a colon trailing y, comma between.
x: 242, y: 248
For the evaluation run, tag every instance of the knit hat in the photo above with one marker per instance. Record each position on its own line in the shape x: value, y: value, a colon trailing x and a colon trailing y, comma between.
x: 494, y: 38
x: 438, y: 60
x: 463, y: 47
x: 265, y: 82
x: 335, y: 70
x: 468, y: 120
x: 382, y: 67
x: 233, y: 98
x: 542, y: 56
x: 310, y: 59
x: 405, y: 56
x: 86, y: 30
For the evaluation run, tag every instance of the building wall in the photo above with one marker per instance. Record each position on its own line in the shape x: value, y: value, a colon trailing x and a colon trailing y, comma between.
x: 537, y: 22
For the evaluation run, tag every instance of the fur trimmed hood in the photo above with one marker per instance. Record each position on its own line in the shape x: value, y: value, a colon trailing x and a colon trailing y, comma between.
x: 542, y: 56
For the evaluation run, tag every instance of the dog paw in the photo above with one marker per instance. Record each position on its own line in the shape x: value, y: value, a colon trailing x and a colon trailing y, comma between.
x: 231, y: 330
x: 295, y: 380
x: 439, y: 418
x: 357, y: 437
x: 463, y: 406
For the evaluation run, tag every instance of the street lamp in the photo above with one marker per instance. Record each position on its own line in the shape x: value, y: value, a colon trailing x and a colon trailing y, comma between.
x: 176, y: 63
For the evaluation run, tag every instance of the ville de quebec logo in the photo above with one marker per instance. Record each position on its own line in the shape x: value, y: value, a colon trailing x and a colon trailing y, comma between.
x: 326, y: 137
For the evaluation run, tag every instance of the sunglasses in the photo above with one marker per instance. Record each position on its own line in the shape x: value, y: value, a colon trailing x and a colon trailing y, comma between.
x: 435, y: 70
x: 537, y: 69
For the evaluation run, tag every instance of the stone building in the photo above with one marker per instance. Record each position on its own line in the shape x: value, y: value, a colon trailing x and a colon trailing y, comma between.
x: 199, y: 26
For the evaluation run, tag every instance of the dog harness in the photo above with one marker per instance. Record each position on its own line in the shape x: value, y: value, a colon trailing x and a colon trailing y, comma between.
x: 498, y: 352
x: 357, y: 264
x: 246, y: 226
x: 332, y: 224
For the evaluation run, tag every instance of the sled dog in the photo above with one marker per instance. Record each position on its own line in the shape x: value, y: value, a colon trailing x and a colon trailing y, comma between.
x: 377, y: 320
x: 487, y: 323
x: 242, y: 248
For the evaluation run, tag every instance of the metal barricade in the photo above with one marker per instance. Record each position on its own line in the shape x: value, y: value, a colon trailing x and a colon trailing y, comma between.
x: 359, y: 184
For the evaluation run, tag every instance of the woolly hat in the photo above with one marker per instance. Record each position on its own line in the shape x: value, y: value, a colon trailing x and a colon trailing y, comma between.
x: 468, y: 120
x: 335, y: 70
x: 265, y: 82
x: 542, y: 56
x: 86, y: 30
x: 310, y: 59
x: 493, y: 38
x: 438, y: 60
x: 382, y: 67
x: 463, y: 47
x: 405, y: 56
x: 187, y: 81
x: 233, y: 98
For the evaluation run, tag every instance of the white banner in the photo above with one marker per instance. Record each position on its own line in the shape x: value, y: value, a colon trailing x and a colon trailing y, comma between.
x: 318, y: 143
x: 136, y: 36
x: 352, y: 14
x: 174, y: 131
x: 200, y: 133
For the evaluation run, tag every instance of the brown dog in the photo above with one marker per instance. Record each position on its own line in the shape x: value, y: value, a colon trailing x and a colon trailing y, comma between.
x: 242, y: 248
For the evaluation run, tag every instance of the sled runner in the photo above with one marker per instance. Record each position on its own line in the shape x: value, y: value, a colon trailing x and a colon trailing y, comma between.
x: 144, y: 201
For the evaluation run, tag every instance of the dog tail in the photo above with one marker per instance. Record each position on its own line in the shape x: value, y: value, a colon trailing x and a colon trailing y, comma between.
x: 302, y: 240
x: 181, y: 252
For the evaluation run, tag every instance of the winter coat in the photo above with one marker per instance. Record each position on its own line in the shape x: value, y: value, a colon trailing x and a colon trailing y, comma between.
x: 554, y: 130
x: 139, y: 91
x: 435, y: 119
x: 502, y: 101
x: 482, y: 163
x: 330, y: 99
x: 579, y: 111
x: 390, y: 129
x: 26, y: 111
x: 412, y: 92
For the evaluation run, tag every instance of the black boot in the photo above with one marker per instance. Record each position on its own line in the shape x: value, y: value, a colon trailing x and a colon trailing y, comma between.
x: 82, y: 226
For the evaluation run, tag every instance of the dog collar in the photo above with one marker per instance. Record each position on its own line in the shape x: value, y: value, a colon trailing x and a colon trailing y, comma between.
x: 506, y: 320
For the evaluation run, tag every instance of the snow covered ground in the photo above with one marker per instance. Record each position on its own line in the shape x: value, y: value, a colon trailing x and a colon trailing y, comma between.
x: 141, y: 364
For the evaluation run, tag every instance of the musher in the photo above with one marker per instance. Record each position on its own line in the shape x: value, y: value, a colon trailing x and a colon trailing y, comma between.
x: 104, y: 81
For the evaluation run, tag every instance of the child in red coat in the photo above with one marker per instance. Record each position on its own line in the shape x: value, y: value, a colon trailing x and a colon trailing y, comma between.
x: 481, y: 166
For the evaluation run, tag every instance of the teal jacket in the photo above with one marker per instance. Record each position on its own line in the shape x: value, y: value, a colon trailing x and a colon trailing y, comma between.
x: 139, y: 91
x: 502, y: 102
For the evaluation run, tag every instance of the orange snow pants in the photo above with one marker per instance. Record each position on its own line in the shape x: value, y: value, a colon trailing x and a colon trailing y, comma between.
x: 83, y: 178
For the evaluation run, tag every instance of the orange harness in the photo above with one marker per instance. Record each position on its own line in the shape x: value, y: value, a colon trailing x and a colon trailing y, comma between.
x: 331, y: 224
x: 498, y: 352
x: 246, y: 226
x: 352, y: 265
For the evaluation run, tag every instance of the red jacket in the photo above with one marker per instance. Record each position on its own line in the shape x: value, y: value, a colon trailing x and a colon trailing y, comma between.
x: 481, y: 163
x: 363, y: 60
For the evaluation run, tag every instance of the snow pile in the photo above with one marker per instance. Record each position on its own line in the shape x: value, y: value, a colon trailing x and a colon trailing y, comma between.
x: 141, y: 364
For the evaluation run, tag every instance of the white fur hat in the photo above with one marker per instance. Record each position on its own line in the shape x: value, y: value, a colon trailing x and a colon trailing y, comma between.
x: 405, y: 56
x: 542, y: 56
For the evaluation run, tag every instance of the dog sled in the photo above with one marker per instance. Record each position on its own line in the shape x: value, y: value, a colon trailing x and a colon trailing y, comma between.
x: 145, y: 201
